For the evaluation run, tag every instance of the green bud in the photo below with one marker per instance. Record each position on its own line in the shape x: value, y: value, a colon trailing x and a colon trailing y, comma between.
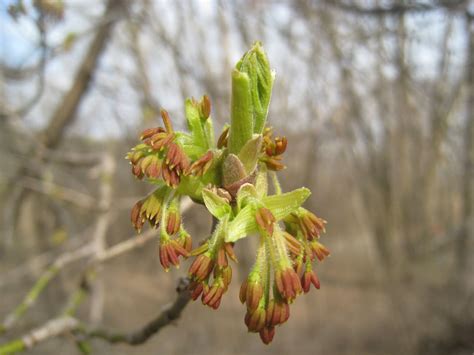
x: 252, y: 82
x: 233, y: 170
x: 255, y: 64
x: 241, y: 115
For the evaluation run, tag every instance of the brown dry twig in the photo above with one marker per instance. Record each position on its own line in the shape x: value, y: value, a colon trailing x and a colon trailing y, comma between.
x: 67, y: 324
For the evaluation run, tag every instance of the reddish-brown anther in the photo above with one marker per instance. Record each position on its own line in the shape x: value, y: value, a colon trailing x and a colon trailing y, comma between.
x: 226, y: 276
x: 186, y: 242
x: 267, y: 334
x: 201, y: 267
x: 288, y: 284
x: 176, y: 158
x: 136, y: 216
x: 160, y: 141
x: 280, y: 145
x: 265, y: 219
x: 255, y: 320
x: 174, y: 178
x: 145, y: 162
x: 170, y: 176
x: 166, y: 120
x: 221, y: 260
x: 170, y: 251
x: 149, y: 132
x: 135, y: 156
x: 298, y: 265
x: 153, y: 170
x: 206, y: 107
x: 173, y: 223
x: 196, y: 289
x: 172, y: 155
x: 277, y: 313
x: 137, y: 171
x: 306, y: 281
x: 164, y: 257
x: 269, y: 149
x: 223, y: 138
x: 311, y: 225
x: 292, y: 243
x: 274, y: 163
x: 254, y: 293
x: 273, y: 150
x: 183, y: 163
x: 212, y: 296
x: 179, y: 249
x: 157, y: 138
x: 230, y: 251
x: 200, y: 166
x: 319, y: 250
x: 315, y: 280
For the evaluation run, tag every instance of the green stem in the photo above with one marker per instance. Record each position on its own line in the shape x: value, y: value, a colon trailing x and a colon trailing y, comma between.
x: 12, y: 347
x: 268, y: 271
x: 276, y: 183
x: 30, y: 298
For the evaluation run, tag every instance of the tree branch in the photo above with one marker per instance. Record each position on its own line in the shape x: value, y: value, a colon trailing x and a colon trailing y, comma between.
x: 397, y: 9
x: 65, y: 324
x: 137, y: 337
x: 70, y: 257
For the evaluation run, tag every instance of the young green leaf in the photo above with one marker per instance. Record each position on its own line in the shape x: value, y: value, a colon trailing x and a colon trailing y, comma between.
x: 194, y: 124
x: 215, y: 204
x: 242, y: 225
x: 249, y: 153
x: 261, y: 183
x: 246, y: 193
x: 284, y: 204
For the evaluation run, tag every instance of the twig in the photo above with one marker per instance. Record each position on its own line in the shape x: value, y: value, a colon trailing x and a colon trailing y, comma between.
x: 50, y: 329
x: 38, y: 263
x: 68, y: 258
x: 107, y: 170
x: 46, y: 277
x: 77, y: 198
x: 65, y: 324
x: 137, y: 337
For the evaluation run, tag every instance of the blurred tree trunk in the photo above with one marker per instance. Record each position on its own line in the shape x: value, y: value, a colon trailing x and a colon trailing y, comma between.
x: 372, y: 169
x: 67, y: 107
x: 63, y: 115
x: 467, y: 230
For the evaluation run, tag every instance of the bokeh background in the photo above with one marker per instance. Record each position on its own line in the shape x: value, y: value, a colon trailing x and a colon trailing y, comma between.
x: 376, y: 98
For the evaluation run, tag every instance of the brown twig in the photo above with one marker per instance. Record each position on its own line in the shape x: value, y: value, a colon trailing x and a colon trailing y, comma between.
x: 65, y: 324
x: 70, y: 257
x: 137, y: 337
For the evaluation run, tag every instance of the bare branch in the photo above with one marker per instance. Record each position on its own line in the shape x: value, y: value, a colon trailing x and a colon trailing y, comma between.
x: 68, y: 258
x: 65, y: 111
x: 399, y: 8
x: 137, y: 337
x: 77, y: 198
x: 65, y: 324
x: 50, y: 329
x: 50, y: 273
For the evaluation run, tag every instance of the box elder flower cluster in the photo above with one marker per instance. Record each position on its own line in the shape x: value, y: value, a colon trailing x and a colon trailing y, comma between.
x: 233, y: 178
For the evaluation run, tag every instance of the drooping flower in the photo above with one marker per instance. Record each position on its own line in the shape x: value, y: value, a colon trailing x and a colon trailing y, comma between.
x: 272, y: 150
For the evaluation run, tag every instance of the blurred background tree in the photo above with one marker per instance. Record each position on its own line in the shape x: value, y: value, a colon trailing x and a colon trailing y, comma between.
x: 376, y: 98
